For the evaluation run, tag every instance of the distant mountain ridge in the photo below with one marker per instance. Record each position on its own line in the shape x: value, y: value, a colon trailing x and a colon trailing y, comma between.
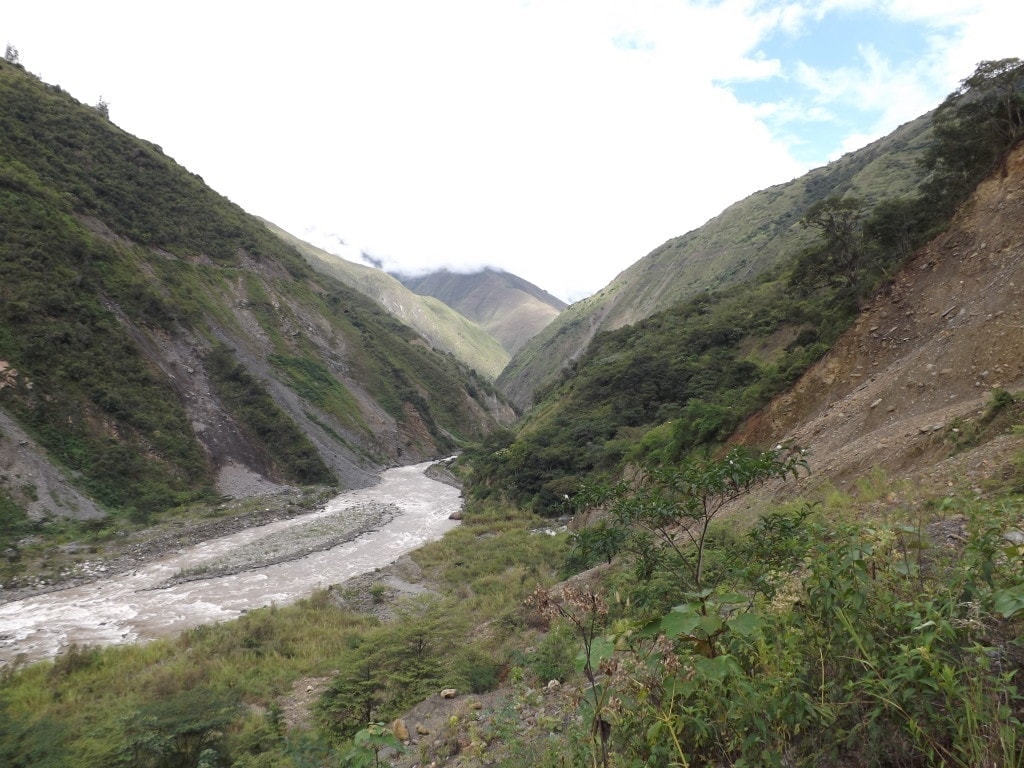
x: 444, y: 326
x: 511, y: 309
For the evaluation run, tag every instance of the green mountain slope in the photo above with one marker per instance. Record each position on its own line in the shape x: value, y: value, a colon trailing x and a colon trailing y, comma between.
x: 444, y: 327
x: 681, y: 379
x: 509, y: 308
x: 156, y: 340
x: 742, y: 242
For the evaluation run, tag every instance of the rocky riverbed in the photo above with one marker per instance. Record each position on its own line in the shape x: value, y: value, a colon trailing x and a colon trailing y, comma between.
x: 165, y: 584
x: 81, y: 562
x: 293, y: 543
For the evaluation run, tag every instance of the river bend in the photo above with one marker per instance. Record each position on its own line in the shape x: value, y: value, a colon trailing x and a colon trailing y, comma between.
x: 153, y: 601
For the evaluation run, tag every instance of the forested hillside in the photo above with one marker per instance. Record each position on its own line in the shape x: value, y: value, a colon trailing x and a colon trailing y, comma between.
x: 156, y: 340
x: 686, y: 376
x: 748, y: 238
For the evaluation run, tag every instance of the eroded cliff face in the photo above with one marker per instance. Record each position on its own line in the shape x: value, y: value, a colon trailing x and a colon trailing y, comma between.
x: 928, y: 350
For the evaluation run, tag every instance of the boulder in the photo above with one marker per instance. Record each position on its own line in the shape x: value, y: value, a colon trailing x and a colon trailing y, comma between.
x: 400, y: 729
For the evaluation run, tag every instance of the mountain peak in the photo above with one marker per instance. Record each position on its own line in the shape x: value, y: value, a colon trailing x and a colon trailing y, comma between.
x: 511, y: 309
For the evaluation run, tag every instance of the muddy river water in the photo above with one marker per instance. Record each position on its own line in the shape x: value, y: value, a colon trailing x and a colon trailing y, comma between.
x: 145, y: 604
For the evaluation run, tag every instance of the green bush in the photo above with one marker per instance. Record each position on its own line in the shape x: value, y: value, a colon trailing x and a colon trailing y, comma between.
x: 555, y: 656
x: 246, y: 399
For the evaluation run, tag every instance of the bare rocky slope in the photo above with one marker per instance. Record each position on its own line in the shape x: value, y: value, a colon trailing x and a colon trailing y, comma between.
x: 923, y: 357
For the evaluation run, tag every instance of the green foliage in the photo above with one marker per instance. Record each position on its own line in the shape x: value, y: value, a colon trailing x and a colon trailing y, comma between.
x: 95, y: 707
x: 1002, y: 413
x: 974, y: 128
x: 60, y: 340
x: 367, y: 745
x: 312, y: 380
x: 479, y: 670
x: 841, y: 250
x: 692, y: 364
x: 129, y: 185
x: 675, y: 505
x: 248, y: 401
x: 596, y: 543
x: 555, y: 656
x: 36, y: 742
x: 181, y: 730
x: 14, y: 523
x: 871, y: 649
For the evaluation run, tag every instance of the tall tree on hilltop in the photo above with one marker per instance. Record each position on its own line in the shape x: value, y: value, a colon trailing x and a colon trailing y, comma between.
x: 975, y: 127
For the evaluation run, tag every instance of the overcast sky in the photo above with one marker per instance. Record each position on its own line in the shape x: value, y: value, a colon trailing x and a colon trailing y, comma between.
x: 561, y: 140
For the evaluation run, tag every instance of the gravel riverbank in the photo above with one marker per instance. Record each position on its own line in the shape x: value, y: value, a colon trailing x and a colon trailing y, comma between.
x: 78, y: 563
x: 293, y: 543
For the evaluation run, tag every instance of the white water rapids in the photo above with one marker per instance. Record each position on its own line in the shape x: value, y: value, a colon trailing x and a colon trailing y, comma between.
x: 139, y: 606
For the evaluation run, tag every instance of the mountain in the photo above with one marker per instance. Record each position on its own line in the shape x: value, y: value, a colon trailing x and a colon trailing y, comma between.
x: 681, y: 379
x: 159, y: 345
x: 743, y: 241
x: 510, y: 309
x: 441, y: 323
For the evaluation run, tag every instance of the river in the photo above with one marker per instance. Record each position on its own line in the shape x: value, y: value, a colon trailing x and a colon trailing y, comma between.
x: 141, y: 605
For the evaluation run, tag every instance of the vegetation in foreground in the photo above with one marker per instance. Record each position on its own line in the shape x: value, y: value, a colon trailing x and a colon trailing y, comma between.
x: 818, y: 636
x: 821, y: 637
x: 213, y: 696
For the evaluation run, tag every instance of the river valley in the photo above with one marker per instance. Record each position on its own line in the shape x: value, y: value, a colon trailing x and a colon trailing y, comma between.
x: 220, y: 579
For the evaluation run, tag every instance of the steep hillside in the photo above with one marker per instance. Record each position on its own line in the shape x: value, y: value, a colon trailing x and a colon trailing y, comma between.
x: 509, y: 308
x: 438, y: 322
x: 910, y: 381
x: 159, y: 345
x: 742, y: 242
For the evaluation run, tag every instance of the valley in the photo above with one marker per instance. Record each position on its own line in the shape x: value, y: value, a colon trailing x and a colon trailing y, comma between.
x: 757, y: 502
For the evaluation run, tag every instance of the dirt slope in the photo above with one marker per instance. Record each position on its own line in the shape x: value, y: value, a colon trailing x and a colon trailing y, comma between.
x: 926, y: 351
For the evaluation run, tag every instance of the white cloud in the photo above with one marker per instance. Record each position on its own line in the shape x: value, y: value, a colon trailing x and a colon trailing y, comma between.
x: 558, y: 140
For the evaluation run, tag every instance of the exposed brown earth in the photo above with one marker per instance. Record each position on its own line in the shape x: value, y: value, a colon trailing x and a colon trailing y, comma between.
x: 926, y: 352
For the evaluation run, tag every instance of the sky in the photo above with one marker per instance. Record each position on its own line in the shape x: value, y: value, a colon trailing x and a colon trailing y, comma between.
x: 560, y: 140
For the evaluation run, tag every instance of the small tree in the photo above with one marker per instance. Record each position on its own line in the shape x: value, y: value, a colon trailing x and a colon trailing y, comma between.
x: 841, y: 253
x: 367, y: 746
x: 993, y: 100
x: 103, y: 107
x: 11, y: 55
x: 587, y: 613
x: 177, y: 731
x: 676, y: 504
